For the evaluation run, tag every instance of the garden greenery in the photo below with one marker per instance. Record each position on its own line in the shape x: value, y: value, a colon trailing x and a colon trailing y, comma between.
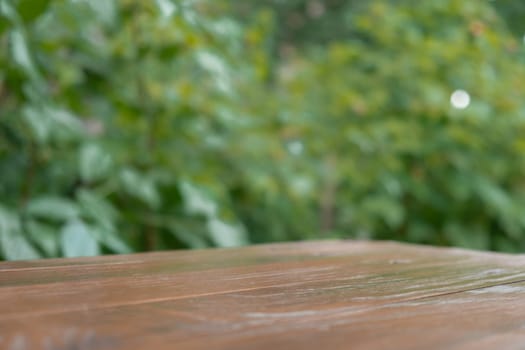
x: 143, y: 125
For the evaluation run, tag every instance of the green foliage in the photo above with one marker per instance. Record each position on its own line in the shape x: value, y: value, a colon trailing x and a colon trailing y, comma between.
x: 408, y: 165
x: 142, y: 125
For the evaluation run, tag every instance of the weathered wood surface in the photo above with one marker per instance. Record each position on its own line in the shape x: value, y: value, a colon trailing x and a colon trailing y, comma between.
x: 338, y: 295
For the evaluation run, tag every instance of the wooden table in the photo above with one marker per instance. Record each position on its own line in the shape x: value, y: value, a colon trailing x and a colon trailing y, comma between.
x: 331, y: 295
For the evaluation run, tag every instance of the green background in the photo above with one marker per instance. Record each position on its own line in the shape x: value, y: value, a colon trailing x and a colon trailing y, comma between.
x: 130, y: 125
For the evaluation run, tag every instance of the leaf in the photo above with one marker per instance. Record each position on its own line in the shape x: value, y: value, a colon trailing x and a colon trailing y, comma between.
x: 217, y: 68
x: 106, y: 10
x: 187, y: 236
x: 38, y: 122
x: 226, y: 235
x: 7, y: 10
x: 110, y: 239
x: 29, y: 10
x: 493, y: 195
x: 211, y: 62
x: 16, y: 247
x: 12, y: 241
x: 54, y: 208
x: 20, y: 51
x: 94, y: 162
x: 195, y: 202
x: 52, y: 123
x: 167, y: 7
x: 8, y: 15
x: 97, y: 208
x: 141, y: 187
x: 44, y: 236
x: 65, y: 125
x: 76, y: 240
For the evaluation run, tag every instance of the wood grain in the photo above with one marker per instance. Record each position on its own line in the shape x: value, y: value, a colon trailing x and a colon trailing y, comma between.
x: 358, y: 295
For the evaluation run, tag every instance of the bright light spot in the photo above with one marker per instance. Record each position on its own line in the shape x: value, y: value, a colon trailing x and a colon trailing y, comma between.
x: 460, y: 99
x: 295, y: 147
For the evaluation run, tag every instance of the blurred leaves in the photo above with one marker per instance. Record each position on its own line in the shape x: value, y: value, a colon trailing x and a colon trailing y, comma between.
x: 140, y: 125
x: 14, y: 244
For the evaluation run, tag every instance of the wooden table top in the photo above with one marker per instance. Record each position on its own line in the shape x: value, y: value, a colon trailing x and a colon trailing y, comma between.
x: 334, y: 294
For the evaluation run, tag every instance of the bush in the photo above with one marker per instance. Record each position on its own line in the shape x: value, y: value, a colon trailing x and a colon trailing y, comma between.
x: 132, y: 125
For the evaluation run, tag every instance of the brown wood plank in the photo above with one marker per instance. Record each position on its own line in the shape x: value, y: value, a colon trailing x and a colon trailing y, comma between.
x: 305, y: 295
